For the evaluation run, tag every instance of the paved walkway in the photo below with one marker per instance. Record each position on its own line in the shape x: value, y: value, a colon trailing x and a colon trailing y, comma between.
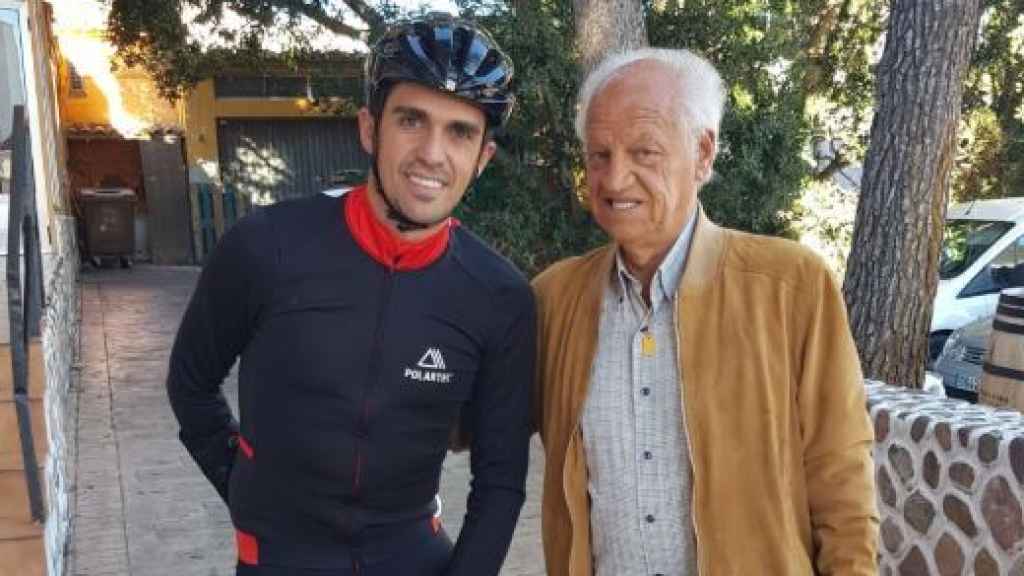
x: 142, y: 507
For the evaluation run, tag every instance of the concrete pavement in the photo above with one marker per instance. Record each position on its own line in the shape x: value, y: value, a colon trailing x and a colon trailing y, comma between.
x: 142, y: 508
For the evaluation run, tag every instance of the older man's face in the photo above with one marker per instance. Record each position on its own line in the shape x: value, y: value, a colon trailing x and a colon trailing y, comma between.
x: 644, y: 167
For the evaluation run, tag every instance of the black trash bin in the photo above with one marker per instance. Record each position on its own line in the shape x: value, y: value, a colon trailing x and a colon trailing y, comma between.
x: 109, y: 215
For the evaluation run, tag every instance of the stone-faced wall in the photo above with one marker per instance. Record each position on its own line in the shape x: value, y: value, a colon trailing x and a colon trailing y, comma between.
x: 60, y: 346
x: 950, y: 478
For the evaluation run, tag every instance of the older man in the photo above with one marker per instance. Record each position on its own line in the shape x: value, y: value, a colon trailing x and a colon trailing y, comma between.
x: 700, y: 398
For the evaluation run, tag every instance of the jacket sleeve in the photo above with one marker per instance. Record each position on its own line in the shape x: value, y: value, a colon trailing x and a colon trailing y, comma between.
x: 837, y: 439
x: 216, y: 327
x: 499, y: 452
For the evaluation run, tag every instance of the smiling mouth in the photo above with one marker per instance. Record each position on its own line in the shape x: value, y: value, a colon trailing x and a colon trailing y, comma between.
x: 426, y: 181
x: 622, y: 205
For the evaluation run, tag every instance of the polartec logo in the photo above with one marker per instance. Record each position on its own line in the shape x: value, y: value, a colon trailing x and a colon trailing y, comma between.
x: 431, y: 368
x: 432, y: 360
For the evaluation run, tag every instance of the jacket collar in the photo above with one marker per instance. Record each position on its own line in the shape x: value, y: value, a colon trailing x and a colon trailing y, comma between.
x: 667, y: 277
x: 707, y: 255
x: 703, y: 261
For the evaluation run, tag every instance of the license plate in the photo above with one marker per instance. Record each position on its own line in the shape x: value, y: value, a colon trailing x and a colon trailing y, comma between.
x: 968, y: 383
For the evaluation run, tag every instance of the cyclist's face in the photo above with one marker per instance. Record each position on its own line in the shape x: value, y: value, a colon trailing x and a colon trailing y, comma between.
x: 430, y: 147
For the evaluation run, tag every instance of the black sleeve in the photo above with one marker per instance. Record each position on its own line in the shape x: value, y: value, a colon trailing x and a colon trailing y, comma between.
x: 500, y: 429
x: 217, y: 325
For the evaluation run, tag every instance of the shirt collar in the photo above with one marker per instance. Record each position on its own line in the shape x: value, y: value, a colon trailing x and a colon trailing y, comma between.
x: 669, y: 272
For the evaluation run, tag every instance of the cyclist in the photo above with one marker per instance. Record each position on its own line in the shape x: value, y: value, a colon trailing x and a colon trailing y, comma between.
x: 367, y: 326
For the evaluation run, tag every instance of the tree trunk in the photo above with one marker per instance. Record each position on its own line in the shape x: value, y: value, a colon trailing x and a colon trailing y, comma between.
x: 606, y: 26
x: 892, y: 272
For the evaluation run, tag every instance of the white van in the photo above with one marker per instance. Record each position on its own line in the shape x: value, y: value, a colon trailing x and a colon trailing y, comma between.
x: 982, y: 253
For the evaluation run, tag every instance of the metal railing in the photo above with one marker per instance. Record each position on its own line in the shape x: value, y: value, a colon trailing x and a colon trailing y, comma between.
x: 24, y: 297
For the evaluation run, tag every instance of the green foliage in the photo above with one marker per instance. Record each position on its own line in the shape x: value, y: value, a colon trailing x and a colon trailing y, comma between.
x: 156, y: 37
x: 152, y: 36
x: 760, y: 168
x: 511, y: 209
x: 525, y: 204
x: 979, y: 163
x: 794, y: 68
x: 990, y: 162
x: 842, y: 47
x: 823, y: 218
x: 539, y: 39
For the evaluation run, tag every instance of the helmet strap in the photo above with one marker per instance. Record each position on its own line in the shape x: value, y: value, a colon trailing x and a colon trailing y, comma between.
x: 402, y: 221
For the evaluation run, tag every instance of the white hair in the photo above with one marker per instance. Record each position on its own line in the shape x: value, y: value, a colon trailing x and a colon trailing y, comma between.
x: 701, y: 90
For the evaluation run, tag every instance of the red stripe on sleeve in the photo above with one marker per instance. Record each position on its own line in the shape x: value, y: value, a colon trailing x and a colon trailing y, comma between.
x: 246, y: 448
x: 248, y: 548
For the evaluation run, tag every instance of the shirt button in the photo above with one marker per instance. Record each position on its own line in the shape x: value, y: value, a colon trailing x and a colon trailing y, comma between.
x: 648, y: 455
x: 645, y: 391
x: 650, y: 518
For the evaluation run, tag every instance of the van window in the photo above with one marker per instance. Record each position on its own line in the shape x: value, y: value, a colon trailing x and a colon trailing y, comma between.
x: 1011, y: 256
x: 1004, y: 271
x: 965, y: 241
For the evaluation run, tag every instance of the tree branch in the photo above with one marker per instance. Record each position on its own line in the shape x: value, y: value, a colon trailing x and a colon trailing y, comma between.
x: 316, y: 13
x: 369, y: 15
x: 835, y: 165
x: 314, y: 10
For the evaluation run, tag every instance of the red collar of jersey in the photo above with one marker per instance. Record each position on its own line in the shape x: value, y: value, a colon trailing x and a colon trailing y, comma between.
x: 386, y: 246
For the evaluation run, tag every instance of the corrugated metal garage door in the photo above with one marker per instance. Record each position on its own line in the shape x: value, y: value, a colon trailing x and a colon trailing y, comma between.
x: 267, y: 160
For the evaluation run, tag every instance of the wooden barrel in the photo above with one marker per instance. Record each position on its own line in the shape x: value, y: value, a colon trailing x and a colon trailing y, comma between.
x: 1002, y: 383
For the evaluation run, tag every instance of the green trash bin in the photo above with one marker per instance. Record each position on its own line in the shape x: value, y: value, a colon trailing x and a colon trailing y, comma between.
x: 109, y: 215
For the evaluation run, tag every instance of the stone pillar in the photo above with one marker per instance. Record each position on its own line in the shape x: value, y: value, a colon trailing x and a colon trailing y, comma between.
x: 950, y: 479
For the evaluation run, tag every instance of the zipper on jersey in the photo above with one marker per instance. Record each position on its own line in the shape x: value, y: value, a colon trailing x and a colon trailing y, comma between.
x: 373, y: 375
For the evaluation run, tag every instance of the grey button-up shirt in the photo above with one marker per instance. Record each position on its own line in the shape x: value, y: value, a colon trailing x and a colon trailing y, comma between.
x: 633, y: 429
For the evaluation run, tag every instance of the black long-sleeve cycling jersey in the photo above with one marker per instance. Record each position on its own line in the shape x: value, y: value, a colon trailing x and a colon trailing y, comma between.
x: 351, y: 376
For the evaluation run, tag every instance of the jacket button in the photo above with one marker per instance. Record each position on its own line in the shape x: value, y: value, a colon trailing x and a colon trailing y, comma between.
x: 648, y: 455
x: 650, y: 519
x: 645, y: 391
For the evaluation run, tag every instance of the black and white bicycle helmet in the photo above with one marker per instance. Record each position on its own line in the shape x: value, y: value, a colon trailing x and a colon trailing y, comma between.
x: 448, y: 54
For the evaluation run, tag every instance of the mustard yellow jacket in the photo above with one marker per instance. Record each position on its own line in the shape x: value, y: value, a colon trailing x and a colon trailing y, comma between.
x: 773, y: 400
